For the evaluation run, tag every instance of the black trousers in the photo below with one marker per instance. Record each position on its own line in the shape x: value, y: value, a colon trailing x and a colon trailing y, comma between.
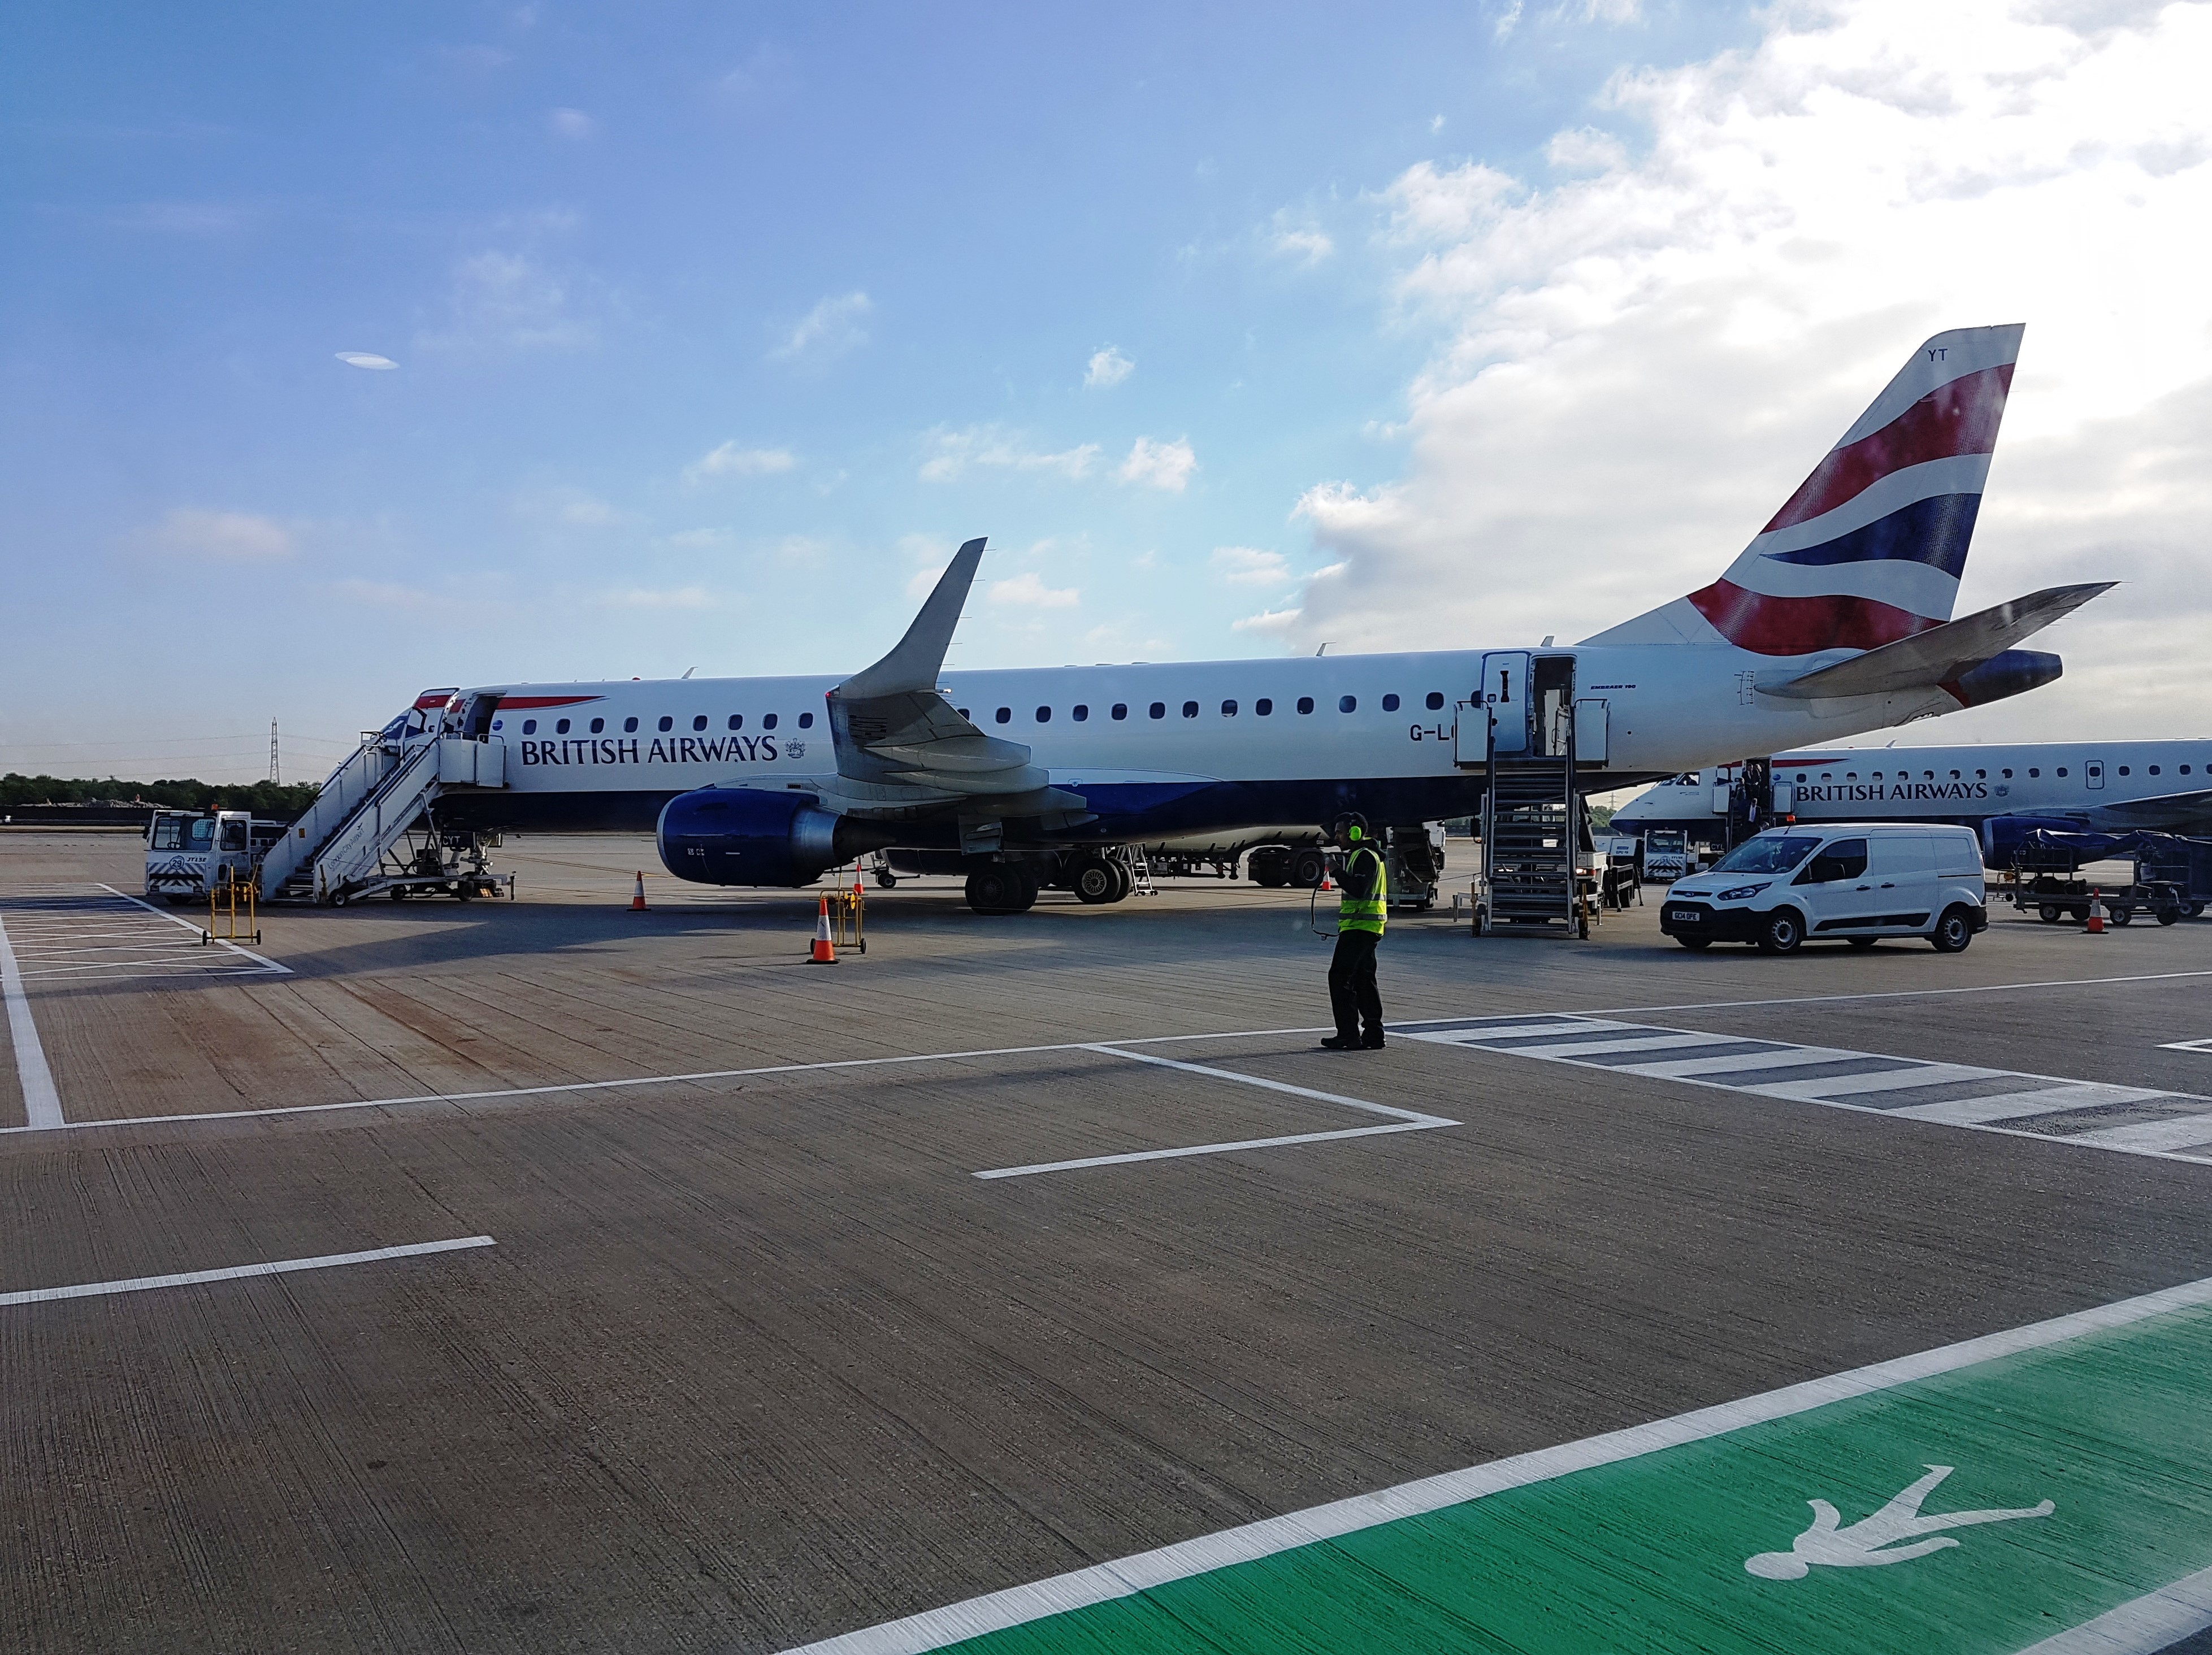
x: 1352, y: 993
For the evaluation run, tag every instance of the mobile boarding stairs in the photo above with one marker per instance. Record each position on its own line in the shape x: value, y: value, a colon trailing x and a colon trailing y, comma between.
x: 373, y: 829
x: 1536, y: 847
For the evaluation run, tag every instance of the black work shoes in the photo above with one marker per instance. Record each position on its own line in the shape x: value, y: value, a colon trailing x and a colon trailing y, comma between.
x: 1338, y: 1043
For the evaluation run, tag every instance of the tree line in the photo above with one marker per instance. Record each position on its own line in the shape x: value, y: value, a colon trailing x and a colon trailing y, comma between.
x: 279, y: 804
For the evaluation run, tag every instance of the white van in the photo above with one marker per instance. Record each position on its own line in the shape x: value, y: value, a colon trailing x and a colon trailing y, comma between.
x: 1860, y: 882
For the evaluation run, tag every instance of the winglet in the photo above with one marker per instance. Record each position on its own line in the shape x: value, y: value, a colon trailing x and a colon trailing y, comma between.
x: 914, y: 665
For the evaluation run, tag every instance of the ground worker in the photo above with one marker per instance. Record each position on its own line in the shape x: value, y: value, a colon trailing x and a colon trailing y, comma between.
x: 1360, y: 912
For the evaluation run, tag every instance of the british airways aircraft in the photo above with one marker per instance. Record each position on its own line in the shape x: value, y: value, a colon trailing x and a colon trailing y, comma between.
x: 2004, y: 792
x: 1835, y: 620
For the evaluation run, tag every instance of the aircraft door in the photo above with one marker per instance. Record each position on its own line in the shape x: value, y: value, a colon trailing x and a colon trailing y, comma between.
x: 2093, y: 773
x: 1506, y: 695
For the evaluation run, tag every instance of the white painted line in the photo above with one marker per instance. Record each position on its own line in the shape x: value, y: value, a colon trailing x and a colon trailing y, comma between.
x: 1887, y: 1080
x: 1106, y: 1582
x: 2186, y: 1046
x: 1637, y: 1043
x: 1901, y: 993
x: 259, y: 960
x: 1211, y: 1149
x: 1568, y: 1024
x: 2156, y: 1620
x: 239, y: 1272
x: 2022, y: 1105
x: 1406, y: 1120
x: 2185, y: 1132
x: 1741, y: 1062
x: 42, y: 1104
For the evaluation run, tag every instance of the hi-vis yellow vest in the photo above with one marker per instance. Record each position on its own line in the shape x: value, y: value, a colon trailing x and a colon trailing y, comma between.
x: 1369, y: 913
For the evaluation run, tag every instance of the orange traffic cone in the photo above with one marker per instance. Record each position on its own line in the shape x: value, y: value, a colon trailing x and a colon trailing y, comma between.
x: 2096, y: 913
x: 637, y: 902
x: 1325, y: 885
x: 825, y: 952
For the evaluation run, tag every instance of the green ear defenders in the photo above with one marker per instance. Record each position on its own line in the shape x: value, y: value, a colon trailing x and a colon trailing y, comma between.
x: 1351, y: 828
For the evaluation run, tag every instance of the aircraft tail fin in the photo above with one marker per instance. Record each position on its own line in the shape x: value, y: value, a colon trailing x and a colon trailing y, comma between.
x: 1871, y: 547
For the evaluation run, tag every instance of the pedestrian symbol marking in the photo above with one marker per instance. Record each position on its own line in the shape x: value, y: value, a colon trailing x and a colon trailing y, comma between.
x: 1873, y: 1541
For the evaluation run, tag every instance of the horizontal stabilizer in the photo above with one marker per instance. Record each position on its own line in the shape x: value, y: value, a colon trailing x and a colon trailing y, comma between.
x: 1939, y: 654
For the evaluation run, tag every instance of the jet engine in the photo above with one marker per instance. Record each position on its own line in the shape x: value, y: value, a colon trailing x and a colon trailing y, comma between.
x: 746, y: 836
x: 2002, y: 835
x: 2013, y: 673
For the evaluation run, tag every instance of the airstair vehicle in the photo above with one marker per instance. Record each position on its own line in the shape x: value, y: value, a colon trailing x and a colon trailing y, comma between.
x: 1534, y: 825
x: 372, y: 829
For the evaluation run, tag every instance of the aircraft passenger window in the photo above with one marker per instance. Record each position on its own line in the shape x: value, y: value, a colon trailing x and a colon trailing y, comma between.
x: 1347, y: 703
x: 1003, y: 714
x: 1078, y: 712
x: 1800, y: 775
x: 1190, y: 709
x: 1120, y: 709
x: 1158, y: 709
x: 2061, y: 769
x: 1263, y: 708
x: 2185, y: 769
x: 768, y: 721
x: 1851, y: 775
x: 1954, y: 775
x: 2007, y: 775
x: 1044, y: 715
x: 1389, y: 703
x: 667, y: 723
x: 1928, y: 775
x: 2154, y: 770
x: 530, y: 726
x: 560, y: 728
x: 1877, y: 775
x: 700, y: 722
x: 737, y: 721
x: 1229, y: 709
x: 1436, y: 702
x: 1981, y: 775
x: 806, y: 721
x: 629, y: 727
x: 2033, y: 772
x: 2123, y: 770
x: 598, y: 724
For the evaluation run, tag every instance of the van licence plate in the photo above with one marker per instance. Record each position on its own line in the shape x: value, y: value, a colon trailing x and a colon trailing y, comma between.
x: 1684, y: 916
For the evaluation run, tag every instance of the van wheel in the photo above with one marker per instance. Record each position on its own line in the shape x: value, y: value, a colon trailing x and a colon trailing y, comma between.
x: 1953, y: 930
x: 1695, y: 944
x: 1781, y: 931
x: 1863, y: 942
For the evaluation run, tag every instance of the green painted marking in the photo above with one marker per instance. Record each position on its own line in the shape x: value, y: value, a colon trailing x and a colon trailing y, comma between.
x: 2115, y: 1427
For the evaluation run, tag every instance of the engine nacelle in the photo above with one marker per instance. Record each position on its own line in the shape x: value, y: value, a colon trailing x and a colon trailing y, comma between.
x: 746, y: 836
x: 2013, y: 673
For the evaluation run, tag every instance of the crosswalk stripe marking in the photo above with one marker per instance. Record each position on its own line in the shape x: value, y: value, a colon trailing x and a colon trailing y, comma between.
x: 1639, y: 1043
x: 2011, y: 1105
x: 1747, y: 1063
x: 2185, y: 1133
x: 1891, y: 1080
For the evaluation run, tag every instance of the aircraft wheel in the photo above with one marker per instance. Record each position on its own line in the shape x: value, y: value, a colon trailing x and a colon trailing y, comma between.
x: 1024, y: 893
x: 1953, y: 930
x: 1093, y: 883
x: 1124, y: 881
x: 1781, y: 931
x: 885, y: 879
x: 991, y: 888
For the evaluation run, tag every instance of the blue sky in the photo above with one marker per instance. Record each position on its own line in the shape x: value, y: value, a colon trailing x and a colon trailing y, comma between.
x: 1237, y: 329
x: 866, y: 253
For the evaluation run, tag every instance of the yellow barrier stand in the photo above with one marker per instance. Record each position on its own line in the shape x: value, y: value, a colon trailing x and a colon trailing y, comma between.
x: 223, y: 902
x: 848, y: 916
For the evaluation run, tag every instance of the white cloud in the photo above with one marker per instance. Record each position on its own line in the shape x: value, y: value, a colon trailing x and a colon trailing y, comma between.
x: 1278, y: 623
x: 731, y: 461
x: 651, y: 597
x: 1642, y: 364
x: 368, y: 358
x: 1027, y: 590
x: 230, y: 537
x: 1248, y: 565
x: 1305, y: 244
x: 1159, y: 464
x: 507, y: 300
x: 951, y: 454
x: 1585, y: 149
x: 572, y: 124
x: 1108, y: 367
x: 833, y: 327
x: 385, y: 595
x: 573, y: 506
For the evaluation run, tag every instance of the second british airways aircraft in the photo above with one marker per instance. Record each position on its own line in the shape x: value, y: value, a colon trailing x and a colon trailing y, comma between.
x: 1835, y: 620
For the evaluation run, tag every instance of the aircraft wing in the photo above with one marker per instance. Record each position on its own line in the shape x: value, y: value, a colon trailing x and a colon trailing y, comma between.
x: 894, y: 728
x: 2165, y: 808
x: 1942, y: 653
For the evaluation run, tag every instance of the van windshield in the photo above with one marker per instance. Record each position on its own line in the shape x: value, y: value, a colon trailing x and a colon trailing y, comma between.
x: 1767, y: 856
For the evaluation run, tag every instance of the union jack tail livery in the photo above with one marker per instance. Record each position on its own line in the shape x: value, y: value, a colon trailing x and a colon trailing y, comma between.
x: 1871, y: 548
